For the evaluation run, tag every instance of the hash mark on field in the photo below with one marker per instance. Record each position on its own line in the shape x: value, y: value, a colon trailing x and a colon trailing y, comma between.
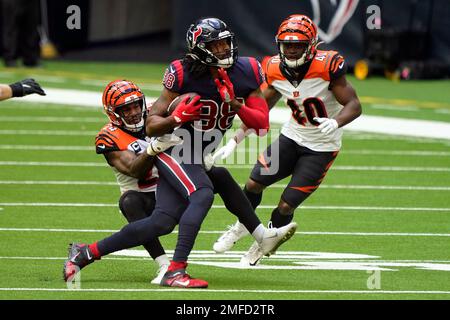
x: 53, y: 204
x: 401, y: 234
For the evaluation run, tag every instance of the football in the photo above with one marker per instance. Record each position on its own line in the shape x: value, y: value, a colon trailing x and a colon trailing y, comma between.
x: 173, y: 105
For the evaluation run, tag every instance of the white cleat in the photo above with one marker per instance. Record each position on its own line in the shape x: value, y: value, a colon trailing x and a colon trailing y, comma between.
x: 273, y: 239
x: 252, y: 256
x: 230, y: 237
x: 160, y: 274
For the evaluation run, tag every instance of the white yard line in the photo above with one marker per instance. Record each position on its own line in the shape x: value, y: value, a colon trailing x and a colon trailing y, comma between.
x: 52, y: 119
x: 53, y: 164
x: 357, y: 208
x: 423, y: 153
x: 231, y: 291
x: 49, y: 132
x: 46, y: 148
x: 358, y: 168
x: 278, y: 186
x: 380, y: 234
x: 345, y: 168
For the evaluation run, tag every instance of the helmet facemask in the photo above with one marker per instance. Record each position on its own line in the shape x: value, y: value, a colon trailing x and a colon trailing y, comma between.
x: 138, y: 126
x: 292, y: 62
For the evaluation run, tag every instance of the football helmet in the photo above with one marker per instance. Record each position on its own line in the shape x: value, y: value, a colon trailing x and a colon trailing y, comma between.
x: 301, y: 30
x: 207, y: 30
x: 118, y: 94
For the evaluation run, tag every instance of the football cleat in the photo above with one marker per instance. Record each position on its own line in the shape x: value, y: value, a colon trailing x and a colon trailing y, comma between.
x: 272, y: 240
x: 252, y: 256
x: 160, y: 274
x: 79, y: 256
x: 275, y: 237
x: 230, y: 237
x: 179, y: 278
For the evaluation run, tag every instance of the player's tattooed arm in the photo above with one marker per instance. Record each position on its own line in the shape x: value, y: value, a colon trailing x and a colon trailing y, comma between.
x: 130, y: 164
x: 158, y: 122
x: 346, y: 96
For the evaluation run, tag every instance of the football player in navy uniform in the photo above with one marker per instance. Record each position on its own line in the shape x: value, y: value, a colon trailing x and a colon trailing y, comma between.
x: 226, y: 85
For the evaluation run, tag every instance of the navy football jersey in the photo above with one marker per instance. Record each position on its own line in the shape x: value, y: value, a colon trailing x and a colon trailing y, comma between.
x: 216, y: 116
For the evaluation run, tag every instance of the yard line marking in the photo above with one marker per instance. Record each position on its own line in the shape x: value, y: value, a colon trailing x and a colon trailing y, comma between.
x: 88, y: 183
x: 397, y: 152
x: 424, y: 153
x: 46, y: 148
x: 53, y: 164
x: 360, y: 168
x: 401, y: 234
x: 345, y: 168
x: 230, y: 291
x: 58, y: 204
x: 49, y: 132
x: 50, y: 119
x: 279, y: 186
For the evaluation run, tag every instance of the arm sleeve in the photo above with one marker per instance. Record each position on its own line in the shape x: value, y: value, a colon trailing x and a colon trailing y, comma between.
x: 338, y: 67
x: 173, y: 77
x: 255, y: 114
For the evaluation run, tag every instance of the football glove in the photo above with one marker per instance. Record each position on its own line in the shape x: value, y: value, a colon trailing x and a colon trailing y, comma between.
x: 327, y: 125
x: 26, y: 87
x: 208, y: 161
x: 160, y: 144
x: 186, y: 112
x: 226, y: 150
x: 224, y: 86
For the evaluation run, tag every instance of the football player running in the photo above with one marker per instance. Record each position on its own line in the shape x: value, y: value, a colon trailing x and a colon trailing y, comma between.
x: 185, y: 191
x: 322, y: 102
x: 20, y: 89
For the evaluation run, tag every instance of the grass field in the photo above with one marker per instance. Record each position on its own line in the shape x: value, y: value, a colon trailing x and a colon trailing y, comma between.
x: 378, y: 227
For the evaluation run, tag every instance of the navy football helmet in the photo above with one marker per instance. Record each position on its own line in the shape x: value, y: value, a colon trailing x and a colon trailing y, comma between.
x: 207, y: 30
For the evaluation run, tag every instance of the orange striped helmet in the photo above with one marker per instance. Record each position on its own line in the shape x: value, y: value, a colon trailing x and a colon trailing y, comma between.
x: 301, y: 30
x: 119, y: 93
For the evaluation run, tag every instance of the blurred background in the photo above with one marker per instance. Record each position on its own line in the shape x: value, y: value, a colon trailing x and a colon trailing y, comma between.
x: 404, y: 34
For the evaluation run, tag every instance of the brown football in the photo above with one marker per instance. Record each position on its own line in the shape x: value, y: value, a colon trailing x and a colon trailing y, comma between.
x: 175, y: 102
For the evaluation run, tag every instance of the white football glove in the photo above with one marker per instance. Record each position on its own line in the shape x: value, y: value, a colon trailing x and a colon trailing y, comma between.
x: 226, y: 150
x: 327, y: 125
x: 208, y: 161
x: 160, y: 144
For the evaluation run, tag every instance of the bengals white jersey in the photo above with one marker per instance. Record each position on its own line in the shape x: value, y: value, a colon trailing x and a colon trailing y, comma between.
x: 310, y: 98
x: 112, y: 138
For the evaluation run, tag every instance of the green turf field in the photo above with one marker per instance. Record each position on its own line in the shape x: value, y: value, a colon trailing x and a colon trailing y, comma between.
x: 384, y: 205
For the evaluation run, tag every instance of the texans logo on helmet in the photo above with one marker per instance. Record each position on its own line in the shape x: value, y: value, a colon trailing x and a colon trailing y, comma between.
x: 197, y: 32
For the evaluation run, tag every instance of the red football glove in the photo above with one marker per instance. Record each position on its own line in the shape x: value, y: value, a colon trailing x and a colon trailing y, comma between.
x: 186, y: 112
x: 224, y: 86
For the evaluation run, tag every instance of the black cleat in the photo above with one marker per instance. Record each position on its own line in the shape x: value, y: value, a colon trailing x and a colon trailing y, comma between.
x: 79, y: 256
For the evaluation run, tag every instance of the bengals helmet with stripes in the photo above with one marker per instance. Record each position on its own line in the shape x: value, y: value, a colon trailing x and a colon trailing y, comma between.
x: 119, y: 93
x: 297, y: 28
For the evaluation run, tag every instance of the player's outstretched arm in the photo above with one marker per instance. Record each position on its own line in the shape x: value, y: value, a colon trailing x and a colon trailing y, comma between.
x: 5, y: 92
